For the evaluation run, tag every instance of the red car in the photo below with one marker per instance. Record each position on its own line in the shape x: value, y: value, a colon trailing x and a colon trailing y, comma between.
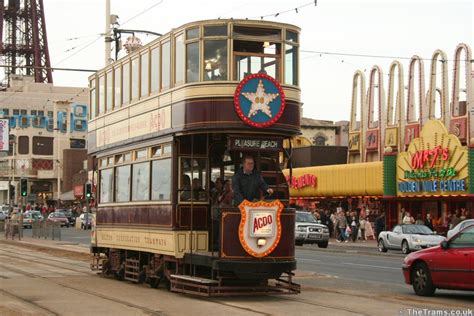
x: 447, y: 266
x: 59, y: 217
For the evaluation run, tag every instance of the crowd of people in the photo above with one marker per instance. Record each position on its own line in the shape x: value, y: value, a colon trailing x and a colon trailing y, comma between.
x: 449, y: 222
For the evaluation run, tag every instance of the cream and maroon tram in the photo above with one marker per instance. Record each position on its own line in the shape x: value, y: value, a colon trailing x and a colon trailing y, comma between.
x: 170, y: 121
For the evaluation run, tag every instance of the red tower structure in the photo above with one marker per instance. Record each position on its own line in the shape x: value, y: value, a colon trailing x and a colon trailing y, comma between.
x: 23, y: 40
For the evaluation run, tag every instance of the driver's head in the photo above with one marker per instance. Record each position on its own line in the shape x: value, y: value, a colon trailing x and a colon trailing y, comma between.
x: 248, y: 164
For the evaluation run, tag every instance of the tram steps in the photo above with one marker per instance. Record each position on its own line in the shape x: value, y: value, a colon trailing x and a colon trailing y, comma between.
x: 132, y: 269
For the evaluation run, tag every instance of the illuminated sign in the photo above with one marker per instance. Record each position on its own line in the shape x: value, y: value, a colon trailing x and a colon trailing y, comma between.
x: 306, y: 180
x: 421, y: 157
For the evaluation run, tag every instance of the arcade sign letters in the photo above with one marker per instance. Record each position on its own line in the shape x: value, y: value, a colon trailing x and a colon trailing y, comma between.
x: 306, y: 180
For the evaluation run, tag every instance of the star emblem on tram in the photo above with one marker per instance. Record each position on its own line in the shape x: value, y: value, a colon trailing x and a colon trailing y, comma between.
x: 260, y: 100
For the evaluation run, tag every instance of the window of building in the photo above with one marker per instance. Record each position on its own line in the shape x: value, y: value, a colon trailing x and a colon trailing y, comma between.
x: 33, y: 112
x: 40, y: 113
x: 101, y: 100
x: 161, y: 180
x: 122, y: 184
x: 117, y: 87
x: 320, y: 141
x: 92, y: 100
x: 155, y: 70
x: 215, y: 60
x: 126, y: 83
x: 167, y: 149
x: 118, y: 159
x: 109, y: 93
x: 127, y: 157
x: 50, y: 113
x: 165, y: 66
x: 23, y: 112
x: 144, y: 75
x: 106, y: 185
x: 135, y: 80
x: 16, y: 112
x: 179, y: 60
x: 141, y: 182
x: 192, y: 62
x: 23, y: 145
x: 43, y: 145
x: 156, y: 151
x: 140, y: 154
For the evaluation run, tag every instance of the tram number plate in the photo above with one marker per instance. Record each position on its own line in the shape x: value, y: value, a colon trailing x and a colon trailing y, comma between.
x: 315, y: 236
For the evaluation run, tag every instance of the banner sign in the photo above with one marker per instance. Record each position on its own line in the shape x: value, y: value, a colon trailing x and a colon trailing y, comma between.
x: 4, y: 135
x: 249, y: 143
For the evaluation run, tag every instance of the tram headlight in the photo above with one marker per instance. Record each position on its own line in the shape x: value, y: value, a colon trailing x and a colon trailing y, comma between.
x: 261, y: 242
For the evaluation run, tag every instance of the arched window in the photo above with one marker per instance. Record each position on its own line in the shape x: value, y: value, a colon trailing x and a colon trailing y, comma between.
x: 320, y: 140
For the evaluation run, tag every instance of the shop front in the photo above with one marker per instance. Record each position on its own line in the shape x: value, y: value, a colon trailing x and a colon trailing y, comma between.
x: 431, y: 177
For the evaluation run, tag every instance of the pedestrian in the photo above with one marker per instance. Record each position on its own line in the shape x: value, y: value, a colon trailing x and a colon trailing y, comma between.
x: 419, y: 221
x: 379, y: 224
x: 429, y: 222
x: 248, y: 182
x: 354, y: 228
x: 408, y: 219
x: 341, y: 224
x: 455, y: 219
x: 362, y: 223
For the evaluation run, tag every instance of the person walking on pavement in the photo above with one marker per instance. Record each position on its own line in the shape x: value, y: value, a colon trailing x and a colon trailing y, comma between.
x: 429, y: 222
x: 341, y: 224
x: 379, y: 224
x: 354, y: 228
x: 362, y: 223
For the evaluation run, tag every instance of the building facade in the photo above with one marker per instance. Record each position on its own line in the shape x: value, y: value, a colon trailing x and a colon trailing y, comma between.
x: 47, y: 128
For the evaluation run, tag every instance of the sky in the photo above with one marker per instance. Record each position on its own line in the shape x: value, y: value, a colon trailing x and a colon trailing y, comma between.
x: 379, y: 27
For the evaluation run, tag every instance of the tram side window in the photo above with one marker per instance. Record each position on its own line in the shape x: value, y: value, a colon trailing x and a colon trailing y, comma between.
x: 165, y: 66
x: 106, y: 185
x: 161, y: 180
x: 122, y: 184
x: 101, y: 95
x: 117, y: 87
x: 192, y: 180
x: 155, y: 69
x: 192, y: 62
x: 179, y: 60
x: 256, y: 57
x: 141, y: 181
x: 109, y: 92
x: 215, y: 60
x: 291, y: 67
x: 93, y: 107
x: 135, y: 80
x: 144, y: 74
x: 126, y: 83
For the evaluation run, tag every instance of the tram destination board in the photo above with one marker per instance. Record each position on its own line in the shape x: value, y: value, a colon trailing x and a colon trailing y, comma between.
x: 253, y: 143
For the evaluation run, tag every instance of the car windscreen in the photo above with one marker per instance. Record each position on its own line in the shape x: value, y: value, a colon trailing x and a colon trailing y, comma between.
x: 417, y: 229
x: 305, y: 218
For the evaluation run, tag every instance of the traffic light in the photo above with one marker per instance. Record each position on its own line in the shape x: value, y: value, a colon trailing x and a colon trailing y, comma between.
x: 24, y: 187
x: 88, y: 190
x: 12, y: 192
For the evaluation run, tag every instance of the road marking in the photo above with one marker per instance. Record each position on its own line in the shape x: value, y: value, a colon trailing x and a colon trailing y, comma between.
x: 371, y: 266
x: 311, y: 260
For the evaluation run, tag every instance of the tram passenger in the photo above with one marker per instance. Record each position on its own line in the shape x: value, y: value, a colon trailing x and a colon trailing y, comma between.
x: 247, y: 181
x: 227, y: 195
x: 186, y: 188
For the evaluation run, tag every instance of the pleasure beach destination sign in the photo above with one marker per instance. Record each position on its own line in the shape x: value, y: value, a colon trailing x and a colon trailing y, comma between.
x: 435, y: 164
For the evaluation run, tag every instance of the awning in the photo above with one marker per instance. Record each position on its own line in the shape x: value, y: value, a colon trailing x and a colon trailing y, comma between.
x: 358, y: 179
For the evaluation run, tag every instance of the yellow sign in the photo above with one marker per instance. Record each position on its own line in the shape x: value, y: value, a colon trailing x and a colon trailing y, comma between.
x: 391, y: 137
x: 435, y: 164
x: 354, y: 141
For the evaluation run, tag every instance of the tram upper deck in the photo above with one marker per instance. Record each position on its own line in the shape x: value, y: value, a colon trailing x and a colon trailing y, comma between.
x: 185, y: 81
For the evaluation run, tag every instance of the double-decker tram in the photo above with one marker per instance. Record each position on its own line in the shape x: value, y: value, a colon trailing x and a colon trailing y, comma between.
x: 169, y: 126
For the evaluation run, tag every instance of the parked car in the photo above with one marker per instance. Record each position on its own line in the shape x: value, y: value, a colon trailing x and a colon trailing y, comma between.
x: 407, y: 238
x: 70, y: 216
x: 447, y: 266
x: 3, y: 215
x: 86, y: 220
x: 59, y: 217
x: 460, y: 226
x: 309, y: 231
x: 30, y: 217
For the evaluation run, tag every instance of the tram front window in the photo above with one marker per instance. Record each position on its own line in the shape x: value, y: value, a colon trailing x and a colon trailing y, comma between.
x: 256, y: 57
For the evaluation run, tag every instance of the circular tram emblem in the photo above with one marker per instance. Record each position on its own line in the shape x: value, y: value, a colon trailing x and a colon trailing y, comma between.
x: 259, y: 100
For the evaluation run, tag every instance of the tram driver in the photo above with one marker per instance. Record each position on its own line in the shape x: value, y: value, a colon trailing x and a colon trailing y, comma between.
x: 247, y: 181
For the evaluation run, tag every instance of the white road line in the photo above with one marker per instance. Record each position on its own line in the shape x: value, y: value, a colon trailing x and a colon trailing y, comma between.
x: 371, y: 266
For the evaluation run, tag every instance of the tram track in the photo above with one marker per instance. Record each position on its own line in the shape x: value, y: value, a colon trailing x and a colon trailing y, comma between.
x: 34, y: 305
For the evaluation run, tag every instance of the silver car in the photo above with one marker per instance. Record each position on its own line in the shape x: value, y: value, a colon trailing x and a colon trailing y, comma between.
x: 407, y: 238
x: 459, y: 227
x: 309, y: 231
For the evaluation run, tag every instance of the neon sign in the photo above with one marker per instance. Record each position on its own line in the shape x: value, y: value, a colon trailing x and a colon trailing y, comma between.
x: 421, y: 157
x: 306, y: 180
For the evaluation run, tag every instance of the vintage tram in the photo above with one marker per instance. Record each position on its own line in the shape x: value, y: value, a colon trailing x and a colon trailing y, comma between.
x: 169, y: 123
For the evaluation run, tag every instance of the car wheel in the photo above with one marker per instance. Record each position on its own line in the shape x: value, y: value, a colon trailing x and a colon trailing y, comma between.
x: 381, y: 246
x: 421, y: 279
x: 299, y: 243
x: 405, y: 248
x: 323, y: 244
